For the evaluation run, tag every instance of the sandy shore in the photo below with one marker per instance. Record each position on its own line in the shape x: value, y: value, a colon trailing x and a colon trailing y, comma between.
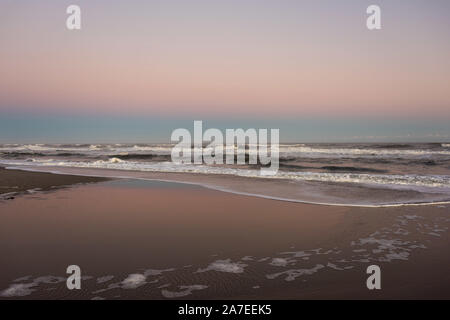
x: 296, y: 191
x: 154, y: 240
x: 17, y: 181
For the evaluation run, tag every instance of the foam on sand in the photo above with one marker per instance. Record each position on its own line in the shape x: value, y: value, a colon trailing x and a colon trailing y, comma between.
x: 133, y: 281
x: 19, y: 290
x: 225, y: 266
x: 185, y: 291
x: 25, y: 289
x: 281, y: 262
x: 292, y: 274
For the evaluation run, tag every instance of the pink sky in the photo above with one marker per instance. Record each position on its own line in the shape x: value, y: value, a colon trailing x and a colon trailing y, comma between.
x: 216, y: 58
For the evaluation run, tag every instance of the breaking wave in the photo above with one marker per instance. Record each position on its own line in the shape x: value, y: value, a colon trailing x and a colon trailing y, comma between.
x: 407, y: 180
x: 421, y: 167
x: 294, y: 150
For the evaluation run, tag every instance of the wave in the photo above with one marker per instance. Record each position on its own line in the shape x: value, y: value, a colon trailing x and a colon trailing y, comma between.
x: 286, y: 150
x: 351, y: 169
x: 21, y: 154
x: 18, y: 154
x: 408, y: 181
x: 84, y: 147
x: 284, y: 165
x: 140, y: 156
x: 112, y: 160
x: 359, y: 152
x: 393, y: 146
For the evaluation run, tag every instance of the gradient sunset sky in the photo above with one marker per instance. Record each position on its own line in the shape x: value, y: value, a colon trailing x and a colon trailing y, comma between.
x: 139, y: 69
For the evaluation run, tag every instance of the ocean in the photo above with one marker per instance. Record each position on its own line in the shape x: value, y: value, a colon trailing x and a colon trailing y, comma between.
x: 365, y: 174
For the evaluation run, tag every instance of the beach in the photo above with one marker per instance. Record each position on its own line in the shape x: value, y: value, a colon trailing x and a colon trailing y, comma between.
x: 226, y: 151
x: 136, y: 238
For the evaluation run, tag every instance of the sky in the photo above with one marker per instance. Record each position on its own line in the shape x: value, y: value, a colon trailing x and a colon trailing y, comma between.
x: 139, y: 69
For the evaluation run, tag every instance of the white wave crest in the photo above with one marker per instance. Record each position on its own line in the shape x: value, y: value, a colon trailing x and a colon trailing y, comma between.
x: 301, y: 150
x: 406, y: 180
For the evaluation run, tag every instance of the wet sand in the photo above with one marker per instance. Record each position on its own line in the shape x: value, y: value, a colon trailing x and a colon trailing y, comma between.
x: 17, y: 181
x: 137, y: 239
x: 296, y: 191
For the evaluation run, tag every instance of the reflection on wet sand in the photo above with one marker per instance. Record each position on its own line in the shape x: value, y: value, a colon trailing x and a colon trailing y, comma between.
x: 156, y: 240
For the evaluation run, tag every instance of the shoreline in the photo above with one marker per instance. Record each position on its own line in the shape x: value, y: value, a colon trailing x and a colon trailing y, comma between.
x: 233, y: 184
x: 15, y: 181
